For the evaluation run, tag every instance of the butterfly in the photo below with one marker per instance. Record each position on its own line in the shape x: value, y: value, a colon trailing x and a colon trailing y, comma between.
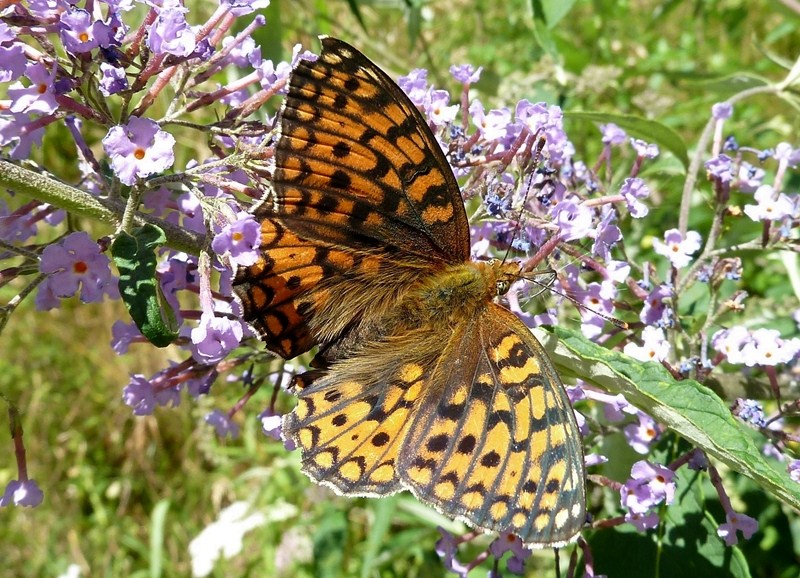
x: 421, y: 381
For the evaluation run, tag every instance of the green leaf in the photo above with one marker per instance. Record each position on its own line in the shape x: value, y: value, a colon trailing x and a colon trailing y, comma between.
x: 635, y: 126
x: 135, y: 258
x: 551, y: 12
x: 157, y: 524
x: 726, y: 86
x: 384, y: 510
x: 687, y: 407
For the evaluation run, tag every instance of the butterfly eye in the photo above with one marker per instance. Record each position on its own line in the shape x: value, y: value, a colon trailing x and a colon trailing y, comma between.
x: 502, y: 286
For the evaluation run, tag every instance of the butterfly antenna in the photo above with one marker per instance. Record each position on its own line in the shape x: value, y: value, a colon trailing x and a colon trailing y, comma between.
x: 537, y: 154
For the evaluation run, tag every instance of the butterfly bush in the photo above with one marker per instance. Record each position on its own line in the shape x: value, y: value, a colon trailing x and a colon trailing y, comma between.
x: 102, y: 71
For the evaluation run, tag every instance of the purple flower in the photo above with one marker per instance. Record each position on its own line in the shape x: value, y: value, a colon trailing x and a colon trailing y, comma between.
x: 765, y: 347
x: 573, y: 219
x: 492, y: 125
x: 224, y: 426
x: 649, y: 486
x: 655, y: 346
x: 170, y: 33
x: 722, y: 110
x: 466, y: 73
x: 642, y: 522
x: 612, y: 134
x: 22, y: 493
x: 113, y: 80
x: 40, y: 96
x: 606, y: 235
x: 771, y: 206
x: 720, y: 168
x: 12, y: 55
x: 656, y: 310
x: 76, y: 262
x: 139, y: 395
x: 632, y: 190
x: 415, y: 85
x: 437, y: 107
x: 643, y: 149
x: 214, y: 337
x: 446, y: 548
x: 81, y: 33
x: 750, y: 178
x: 677, y: 248
x: 244, y: 7
x: 123, y: 334
x: 640, y: 436
x: 239, y: 240
x: 731, y: 342
x: 138, y: 149
x: 15, y: 129
x: 793, y: 467
x: 786, y: 155
x: 745, y: 524
x: 749, y: 411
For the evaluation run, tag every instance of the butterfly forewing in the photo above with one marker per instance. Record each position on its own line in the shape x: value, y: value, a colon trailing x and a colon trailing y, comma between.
x: 356, y: 164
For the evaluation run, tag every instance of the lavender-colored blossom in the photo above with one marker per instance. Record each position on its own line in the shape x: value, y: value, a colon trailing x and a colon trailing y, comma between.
x: 771, y: 206
x: 39, y: 97
x: 643, y: 149
x: 606, y: 235
x: 492, y: 125
x: 13, y: 58
x: 573, y: 219
x: 15, y: 131
x: 245, y: 53
x: 466, y: 73
x: 749, y: 411
x: 640, y: 436
x: 447, y: 548
x: 735, y: 521
x: 612, y: 134
x: 243, y: 7
x: 138, y: 149
x: 113, y: 79
x: 648, y: 486
x: 632, y: 190
x: 643, y: 522
x: 722, y: 110
x: 508, y: 542
x: 750, y: 178
x: 436, y: 105
x: 215, y: 337
x: 15, y: 227
x: 793, y: 467
x: 81, y: 33
x: 415, y: 85
x: 22, y: 493
x: 170, y: 33
x: 655, y: 346
x: 786, y: 154
x: 77, y: 263
x: 720, y: 168
x: 765, y: 347
x: 676, y: 248
x: 656, y: 310
x: 698, y: 461
x: 222, y: 424
x: 123, y: 334
x: 239, y: 240
x: 140, y: 395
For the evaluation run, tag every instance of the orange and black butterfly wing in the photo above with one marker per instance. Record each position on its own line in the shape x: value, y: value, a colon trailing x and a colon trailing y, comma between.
x: 358, y: 175
x: 498, y: 445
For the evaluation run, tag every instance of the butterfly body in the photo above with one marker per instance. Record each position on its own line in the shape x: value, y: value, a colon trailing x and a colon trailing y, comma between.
x: 422, y: 382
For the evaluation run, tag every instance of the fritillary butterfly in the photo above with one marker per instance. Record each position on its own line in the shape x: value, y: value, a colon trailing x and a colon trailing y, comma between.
x: 422, y: 382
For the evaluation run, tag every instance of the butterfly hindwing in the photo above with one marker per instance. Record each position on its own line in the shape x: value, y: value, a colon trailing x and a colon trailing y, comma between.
x: 499, y: 446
